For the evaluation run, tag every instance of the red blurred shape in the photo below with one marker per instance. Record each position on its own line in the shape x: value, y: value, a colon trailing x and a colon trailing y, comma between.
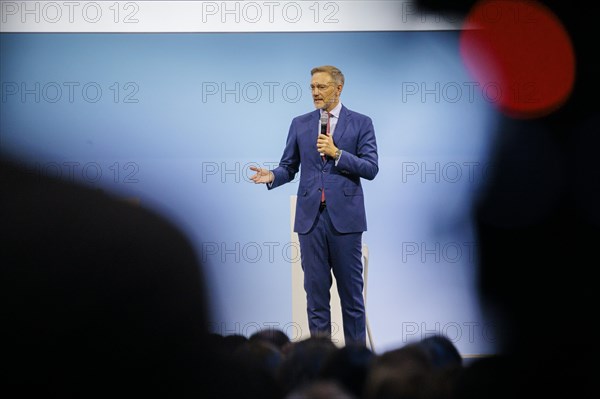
x: 520, y: 54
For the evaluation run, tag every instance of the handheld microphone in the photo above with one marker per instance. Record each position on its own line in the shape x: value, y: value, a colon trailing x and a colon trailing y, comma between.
x: 324, y: 120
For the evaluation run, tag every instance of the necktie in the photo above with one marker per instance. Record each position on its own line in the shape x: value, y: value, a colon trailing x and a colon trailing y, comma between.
x: 323, y: 158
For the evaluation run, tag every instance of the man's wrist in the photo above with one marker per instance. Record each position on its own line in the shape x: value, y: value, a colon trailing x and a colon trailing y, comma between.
x: 338, y: 154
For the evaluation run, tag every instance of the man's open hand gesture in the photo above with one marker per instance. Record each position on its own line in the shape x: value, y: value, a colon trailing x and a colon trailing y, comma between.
x: 261, y: 175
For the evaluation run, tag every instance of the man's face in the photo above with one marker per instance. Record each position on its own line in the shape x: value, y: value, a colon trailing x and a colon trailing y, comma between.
x: 325, y: 92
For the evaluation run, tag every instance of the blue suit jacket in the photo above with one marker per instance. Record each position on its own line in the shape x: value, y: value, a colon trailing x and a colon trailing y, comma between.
x: 354, y: 135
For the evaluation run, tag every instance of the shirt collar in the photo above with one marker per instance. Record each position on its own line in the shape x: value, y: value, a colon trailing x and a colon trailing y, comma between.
x: 336, y: 111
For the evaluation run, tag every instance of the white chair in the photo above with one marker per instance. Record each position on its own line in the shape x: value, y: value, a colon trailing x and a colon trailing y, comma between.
x: 365, y: 257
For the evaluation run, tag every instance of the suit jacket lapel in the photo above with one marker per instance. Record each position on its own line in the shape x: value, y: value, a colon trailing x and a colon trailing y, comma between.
x: 340, y: 128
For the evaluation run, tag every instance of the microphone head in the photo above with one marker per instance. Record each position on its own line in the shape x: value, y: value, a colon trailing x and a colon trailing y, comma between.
x: 324, y: 117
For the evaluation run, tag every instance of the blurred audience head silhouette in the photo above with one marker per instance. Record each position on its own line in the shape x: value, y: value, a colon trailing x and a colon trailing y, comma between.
x: 275, y: 336
x: 304, y: 361
x: 321, y: 390
x: 348, y: 366
x: 100, y: 297
x: 405, y: 372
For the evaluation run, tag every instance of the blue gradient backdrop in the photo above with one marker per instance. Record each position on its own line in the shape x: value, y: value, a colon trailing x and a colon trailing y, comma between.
x: 176, y: 119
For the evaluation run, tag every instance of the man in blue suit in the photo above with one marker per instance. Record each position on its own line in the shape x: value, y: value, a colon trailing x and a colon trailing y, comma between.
x: 330, y: 211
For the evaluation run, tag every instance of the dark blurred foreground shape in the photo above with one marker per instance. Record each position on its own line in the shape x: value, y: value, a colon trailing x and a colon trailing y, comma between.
x: 538, y: 227
x: 99, y: 298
